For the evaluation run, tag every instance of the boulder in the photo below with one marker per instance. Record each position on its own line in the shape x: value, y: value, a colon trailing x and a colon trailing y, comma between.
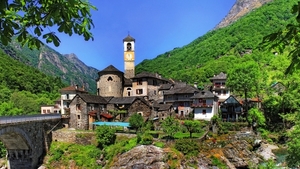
x: 265, y: 150
x: 141, y: 157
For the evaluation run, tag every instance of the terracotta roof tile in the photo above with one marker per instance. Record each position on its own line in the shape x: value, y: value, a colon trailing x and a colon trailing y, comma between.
x: 106, y: 115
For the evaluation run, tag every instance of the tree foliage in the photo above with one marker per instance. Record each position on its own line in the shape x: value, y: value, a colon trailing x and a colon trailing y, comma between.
x: 217, y: 50
x: 22, y: 17
x: 136, y: 121
x: 287, y: 38
x: 193, y: 126
x: 24, y: 89
x: 244, y: 77
x: 170, y: 126
x: 105, y: 136
x: 294, y: 145
x: 256, y: 116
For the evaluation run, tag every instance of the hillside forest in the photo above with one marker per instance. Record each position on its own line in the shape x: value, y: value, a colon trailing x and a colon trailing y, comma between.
x: 24, y: 89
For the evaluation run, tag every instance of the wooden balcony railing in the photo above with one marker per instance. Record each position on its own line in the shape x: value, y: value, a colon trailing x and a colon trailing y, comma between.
x: 202, y: 105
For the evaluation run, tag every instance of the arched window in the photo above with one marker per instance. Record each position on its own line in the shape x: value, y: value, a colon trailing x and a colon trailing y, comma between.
x: 128, y: 46
x: 109, y: 78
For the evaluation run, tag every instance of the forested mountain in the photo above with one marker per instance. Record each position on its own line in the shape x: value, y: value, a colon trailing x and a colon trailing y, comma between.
x: 24, y: 89
x: 215, y: 51
x: 68, y: 67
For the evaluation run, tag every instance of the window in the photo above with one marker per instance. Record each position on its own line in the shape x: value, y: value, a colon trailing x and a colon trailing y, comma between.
x: 139, y: 82
x: 154, y: 82
x: 139, y: 91
x: 67, y: 96
x: 78, y: 117
x: 68, y: 104
x: 92, y: 107
x: 109, y: 79
x: 77, y: 106
x: 224, y: 92
x: 154, y: 92
x: 204, y: 111
x: 128, y: 46
x: 48, y: 111
x: 44, y: 111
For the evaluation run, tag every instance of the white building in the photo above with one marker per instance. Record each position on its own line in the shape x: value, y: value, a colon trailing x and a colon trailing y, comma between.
x: 205, y: 105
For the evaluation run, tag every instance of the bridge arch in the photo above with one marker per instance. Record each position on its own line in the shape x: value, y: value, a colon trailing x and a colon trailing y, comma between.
x: 15, y: 138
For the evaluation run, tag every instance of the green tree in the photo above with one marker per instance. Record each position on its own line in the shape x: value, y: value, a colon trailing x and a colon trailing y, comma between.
x: 170, y: 126
x: 294, y: 145
x: 105, y: 136
x: 256, y: 118
x: 244, y: 77
x: 193, y: 126
x: 20, y: 16
x: 287, y: 38
x: 136, y: 121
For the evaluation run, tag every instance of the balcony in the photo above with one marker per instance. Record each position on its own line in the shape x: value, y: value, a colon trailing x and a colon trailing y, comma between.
x: 202, y: 105
x: 219, y: 86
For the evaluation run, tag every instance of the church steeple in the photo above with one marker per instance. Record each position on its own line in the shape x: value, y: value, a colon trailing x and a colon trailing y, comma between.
x: 129, y: 45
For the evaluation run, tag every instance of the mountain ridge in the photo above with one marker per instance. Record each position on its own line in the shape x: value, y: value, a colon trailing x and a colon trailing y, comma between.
x: 239, y: 9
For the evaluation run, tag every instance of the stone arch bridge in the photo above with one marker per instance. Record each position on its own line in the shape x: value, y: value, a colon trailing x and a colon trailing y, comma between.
x: 27, y: 138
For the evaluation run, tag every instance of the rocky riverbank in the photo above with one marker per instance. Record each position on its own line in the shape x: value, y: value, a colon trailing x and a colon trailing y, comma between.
x: 236, y: 151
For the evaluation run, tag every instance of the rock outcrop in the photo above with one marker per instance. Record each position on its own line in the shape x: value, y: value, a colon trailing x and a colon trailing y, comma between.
x: 142, y: 157
x: 239, y: 9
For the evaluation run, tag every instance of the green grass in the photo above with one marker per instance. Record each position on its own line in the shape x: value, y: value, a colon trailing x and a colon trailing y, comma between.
x: 64, y: 152
x: 159, y: 144
x: 187, y: 135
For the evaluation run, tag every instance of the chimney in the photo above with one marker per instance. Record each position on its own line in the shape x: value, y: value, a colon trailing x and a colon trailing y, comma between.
x: 76, y: 87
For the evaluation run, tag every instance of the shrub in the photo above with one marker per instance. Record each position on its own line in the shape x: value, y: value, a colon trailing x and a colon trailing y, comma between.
x: 187, y: 146
x: 159, y: 144
x: 105, y: 136
x: 146, y: 139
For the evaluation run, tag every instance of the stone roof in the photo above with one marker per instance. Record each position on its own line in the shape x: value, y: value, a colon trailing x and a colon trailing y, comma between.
x: 180, y: 88
x: 231, y: 100
x: 122, y: 100
x: 203, y: 95
x: 73, y: 88
x: 88, y: 98
x: 221, y: 76
x: 148, y: 74
x: 164, y: 107
x: 166, y: 86
x: 110, y: 69
x: 126, y: 100
x: 128, y: 39
x: 108, y: 98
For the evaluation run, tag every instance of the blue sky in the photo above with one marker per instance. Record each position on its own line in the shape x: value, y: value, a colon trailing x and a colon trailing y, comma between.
x: 158, y: 26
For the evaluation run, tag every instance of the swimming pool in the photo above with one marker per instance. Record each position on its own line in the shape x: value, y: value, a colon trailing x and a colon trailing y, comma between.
x: 101, y: 123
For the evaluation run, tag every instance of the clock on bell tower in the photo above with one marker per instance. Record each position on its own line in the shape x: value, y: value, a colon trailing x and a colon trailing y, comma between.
x: 129, y: 44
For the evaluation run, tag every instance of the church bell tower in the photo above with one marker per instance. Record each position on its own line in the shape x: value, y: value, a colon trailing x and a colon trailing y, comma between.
x: 129, y: 56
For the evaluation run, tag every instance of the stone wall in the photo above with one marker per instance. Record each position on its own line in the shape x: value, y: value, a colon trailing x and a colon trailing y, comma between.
x: 72, y: 136
x: 140, y: 106
x: 110, y: 85
x: 78, y: 116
